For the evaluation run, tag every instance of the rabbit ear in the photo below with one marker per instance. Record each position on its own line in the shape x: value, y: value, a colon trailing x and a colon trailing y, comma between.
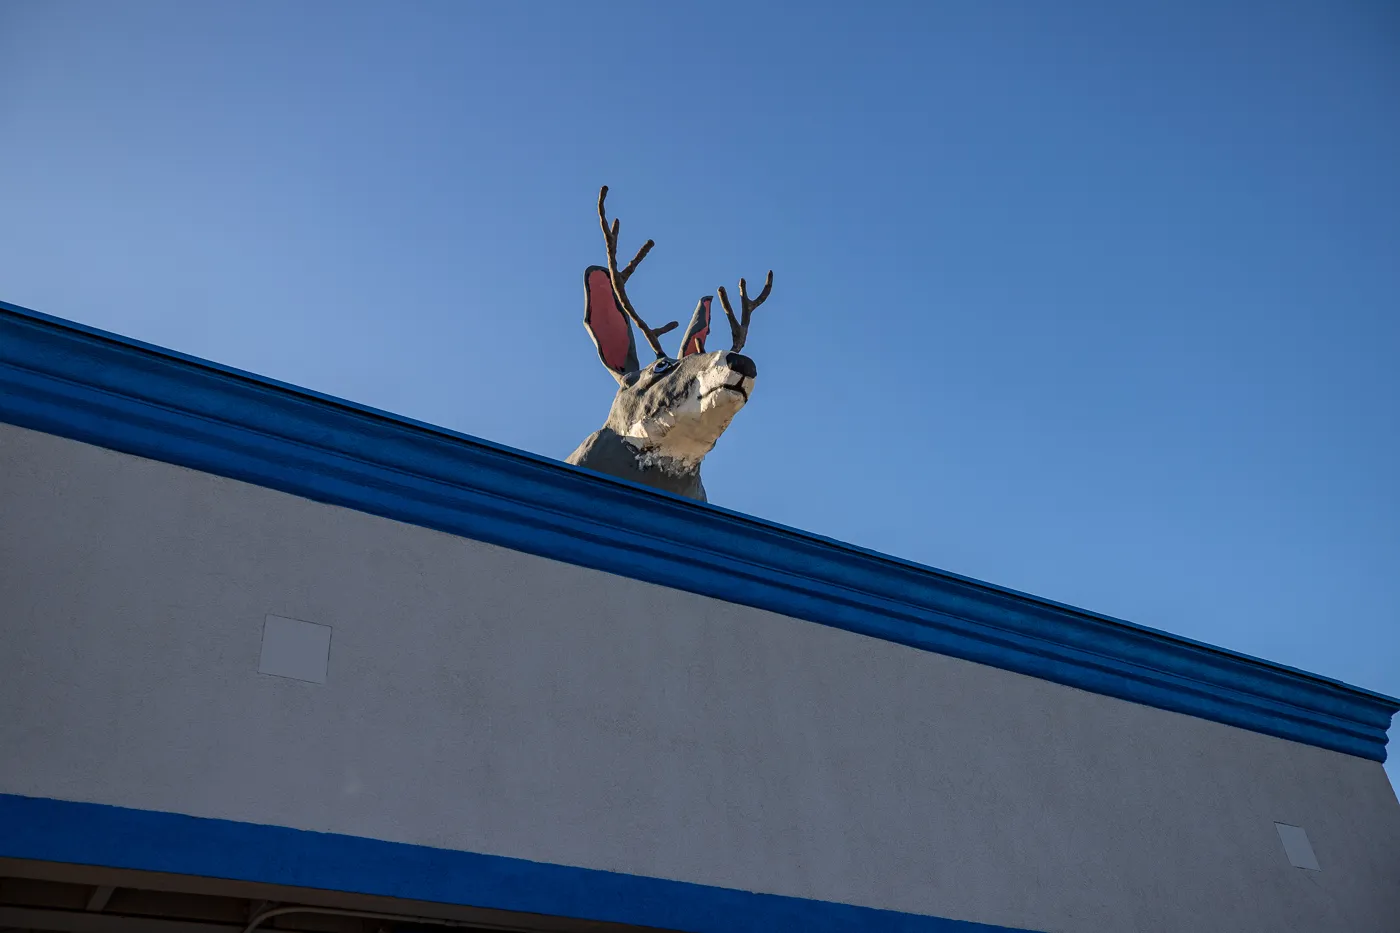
x: 607, y: 325
x: 699, y: 329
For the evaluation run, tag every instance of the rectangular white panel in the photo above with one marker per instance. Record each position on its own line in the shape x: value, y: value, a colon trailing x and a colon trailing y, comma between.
x: 1296, y: 846
x: 296, y: 649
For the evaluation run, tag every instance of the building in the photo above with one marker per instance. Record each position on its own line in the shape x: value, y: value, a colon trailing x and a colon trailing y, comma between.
x: 273, y: 660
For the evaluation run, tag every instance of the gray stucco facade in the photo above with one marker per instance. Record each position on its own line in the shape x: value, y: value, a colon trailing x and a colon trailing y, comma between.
x: 482, y: 699
x: 260, y: 644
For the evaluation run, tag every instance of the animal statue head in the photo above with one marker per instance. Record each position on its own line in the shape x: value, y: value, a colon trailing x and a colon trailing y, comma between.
x: 667, y: 415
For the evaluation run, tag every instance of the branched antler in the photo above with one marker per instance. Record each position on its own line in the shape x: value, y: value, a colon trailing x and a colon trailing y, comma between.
x: 739, y: 328
x: 619, y: 279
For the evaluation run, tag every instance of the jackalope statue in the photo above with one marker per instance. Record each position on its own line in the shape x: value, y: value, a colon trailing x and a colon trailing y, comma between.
x: 668, y: 415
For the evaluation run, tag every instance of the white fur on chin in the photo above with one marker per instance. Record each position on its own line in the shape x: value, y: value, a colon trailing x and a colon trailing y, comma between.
x: 676, y: 440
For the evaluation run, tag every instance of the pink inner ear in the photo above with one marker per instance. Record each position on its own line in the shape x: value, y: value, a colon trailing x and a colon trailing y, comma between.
x: 696, y: 344
x: 607, y: 321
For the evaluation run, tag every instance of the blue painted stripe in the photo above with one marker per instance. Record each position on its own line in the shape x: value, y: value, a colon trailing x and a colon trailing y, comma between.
x: 76, y: 382
x: 144, y: 840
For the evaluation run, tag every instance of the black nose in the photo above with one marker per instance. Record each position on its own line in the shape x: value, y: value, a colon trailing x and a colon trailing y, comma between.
x: 742, y: 365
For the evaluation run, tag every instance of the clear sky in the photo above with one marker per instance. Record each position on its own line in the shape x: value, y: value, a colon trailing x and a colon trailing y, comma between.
x: 1099, y: 301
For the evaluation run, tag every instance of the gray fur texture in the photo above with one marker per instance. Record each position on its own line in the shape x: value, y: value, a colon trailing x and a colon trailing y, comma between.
x: 666, y: 417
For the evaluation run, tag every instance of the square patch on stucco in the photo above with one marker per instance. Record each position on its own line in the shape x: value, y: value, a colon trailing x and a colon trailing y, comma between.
x: 295, y: 649
x: 1296, y: 846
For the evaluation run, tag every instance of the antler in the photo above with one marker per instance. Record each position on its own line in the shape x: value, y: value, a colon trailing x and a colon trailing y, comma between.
x: 740, y: 328
x: 619, y: 279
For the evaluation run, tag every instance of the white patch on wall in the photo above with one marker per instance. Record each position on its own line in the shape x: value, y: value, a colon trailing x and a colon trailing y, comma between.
x: 295, y: 649
x: 1296, y: 846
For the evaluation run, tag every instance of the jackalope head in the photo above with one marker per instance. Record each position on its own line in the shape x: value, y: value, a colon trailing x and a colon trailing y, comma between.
x: 666, y: 416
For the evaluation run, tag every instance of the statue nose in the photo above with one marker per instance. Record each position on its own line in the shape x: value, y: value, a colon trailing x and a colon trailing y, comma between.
x: 741, y: 364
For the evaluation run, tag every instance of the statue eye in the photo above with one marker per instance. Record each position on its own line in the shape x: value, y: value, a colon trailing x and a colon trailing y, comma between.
x: 662, y: 365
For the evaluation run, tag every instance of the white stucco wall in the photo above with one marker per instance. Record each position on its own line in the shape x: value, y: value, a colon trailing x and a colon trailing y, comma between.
x: 482, y: 699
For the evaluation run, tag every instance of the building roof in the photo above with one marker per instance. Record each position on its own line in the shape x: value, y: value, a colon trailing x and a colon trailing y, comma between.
x: 78, y: 382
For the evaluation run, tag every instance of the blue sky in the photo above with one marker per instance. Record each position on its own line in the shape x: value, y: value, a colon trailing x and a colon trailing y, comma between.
x: 1093, y: 300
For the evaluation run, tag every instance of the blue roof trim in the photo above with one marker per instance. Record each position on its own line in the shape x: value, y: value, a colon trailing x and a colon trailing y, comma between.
x: 77, y: 382
x: 145, y: 840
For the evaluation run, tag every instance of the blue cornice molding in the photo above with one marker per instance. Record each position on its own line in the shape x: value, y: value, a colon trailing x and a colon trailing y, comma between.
x: 77, y: 382
x: 75, y: 833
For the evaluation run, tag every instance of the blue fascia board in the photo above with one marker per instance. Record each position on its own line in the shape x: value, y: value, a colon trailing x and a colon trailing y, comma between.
x: 79, y: 833
x: 78, y: 382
